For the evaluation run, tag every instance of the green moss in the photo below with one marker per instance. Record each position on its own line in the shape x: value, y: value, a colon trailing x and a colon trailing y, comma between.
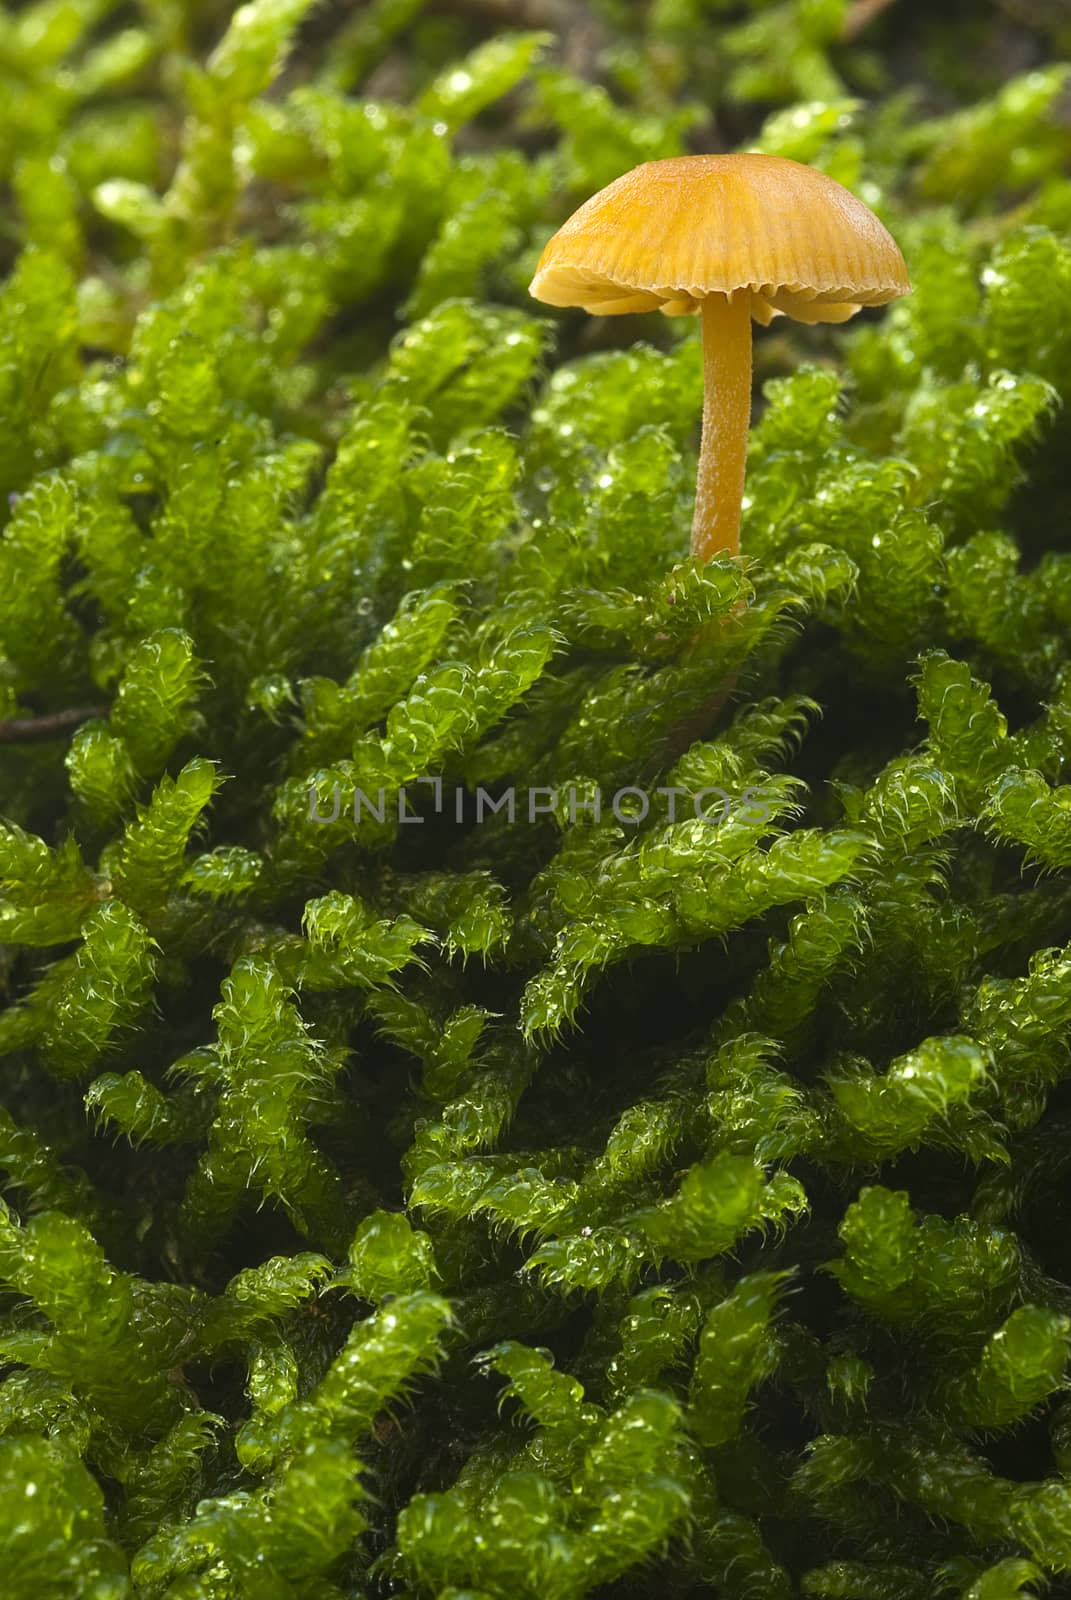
x: 527, y: 1067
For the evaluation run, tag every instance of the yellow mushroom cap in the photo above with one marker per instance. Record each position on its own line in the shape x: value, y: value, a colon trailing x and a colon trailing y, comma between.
x: 669, y: 233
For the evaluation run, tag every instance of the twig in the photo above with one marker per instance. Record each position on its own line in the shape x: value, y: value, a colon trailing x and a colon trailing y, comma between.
x: 860, y: 15
x: 37, y: 730
x: 582, y: 35
x: 518, y: 13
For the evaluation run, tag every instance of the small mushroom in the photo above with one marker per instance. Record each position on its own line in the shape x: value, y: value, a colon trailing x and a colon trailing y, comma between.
x: 731, y: 237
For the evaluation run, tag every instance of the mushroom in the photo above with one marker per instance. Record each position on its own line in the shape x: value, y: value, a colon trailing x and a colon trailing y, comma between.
x: 731, y: 237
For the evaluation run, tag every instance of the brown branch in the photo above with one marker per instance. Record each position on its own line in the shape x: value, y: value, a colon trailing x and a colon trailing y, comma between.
x: 517, y: 13
x: 860, y: 15
x: 582, y: 35
x: 37, y: 730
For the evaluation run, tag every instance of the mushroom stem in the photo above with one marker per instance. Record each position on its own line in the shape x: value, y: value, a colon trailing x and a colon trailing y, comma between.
x: 726, y: 415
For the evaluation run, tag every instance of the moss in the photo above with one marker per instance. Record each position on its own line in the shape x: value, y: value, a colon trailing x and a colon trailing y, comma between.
x: 527, y: 1067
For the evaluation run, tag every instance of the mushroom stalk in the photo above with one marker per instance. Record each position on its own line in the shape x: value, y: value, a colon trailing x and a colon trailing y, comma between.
x: 726, y: 416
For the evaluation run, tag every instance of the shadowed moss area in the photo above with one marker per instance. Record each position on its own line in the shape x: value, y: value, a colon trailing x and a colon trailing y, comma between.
x: 529, y: 1067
